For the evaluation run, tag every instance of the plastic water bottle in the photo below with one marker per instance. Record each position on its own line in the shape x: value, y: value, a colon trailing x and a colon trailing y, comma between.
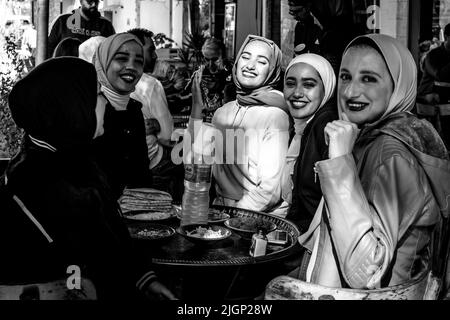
x: 195, y: 203
x: 197, y: 181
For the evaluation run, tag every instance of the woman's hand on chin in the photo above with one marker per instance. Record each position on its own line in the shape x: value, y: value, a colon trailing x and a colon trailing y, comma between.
x: 340, y: 136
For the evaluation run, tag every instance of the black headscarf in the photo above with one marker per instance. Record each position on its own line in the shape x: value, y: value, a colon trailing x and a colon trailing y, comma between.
x: 55, y: 103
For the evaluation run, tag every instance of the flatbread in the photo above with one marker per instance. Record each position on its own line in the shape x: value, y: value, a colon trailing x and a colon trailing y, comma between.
x: 149, y: 216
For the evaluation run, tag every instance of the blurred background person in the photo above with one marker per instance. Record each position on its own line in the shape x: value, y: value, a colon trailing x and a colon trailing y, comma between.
x: 68, y: 47
x: 150, y: 92
x: 82, y: 23
x: 215, y: 75
x: 307, y: 32
x: 28, y: 45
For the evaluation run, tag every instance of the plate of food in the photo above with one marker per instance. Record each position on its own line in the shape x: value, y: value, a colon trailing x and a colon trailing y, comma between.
x: 148, y: 215
x: 214, y: 216
x: 150, y: 231
x: 204, y: 234
x: 247, y: 226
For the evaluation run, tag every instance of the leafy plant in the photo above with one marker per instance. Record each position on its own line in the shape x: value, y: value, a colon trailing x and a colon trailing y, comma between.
x: 193, y: 43
x: 11, y: 70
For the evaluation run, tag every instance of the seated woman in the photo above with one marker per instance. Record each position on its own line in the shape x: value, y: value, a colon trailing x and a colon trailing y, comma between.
x: 386, y: 181
x: 254, y: 129
x: 309, y: 84
x: 122, y: 150
x: 58, y: 214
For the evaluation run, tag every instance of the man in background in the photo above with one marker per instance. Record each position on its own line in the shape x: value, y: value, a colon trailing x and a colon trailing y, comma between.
x: 307, y: 32
x: 82, y: 23
x: 436, y: 67
x: 150, y: 92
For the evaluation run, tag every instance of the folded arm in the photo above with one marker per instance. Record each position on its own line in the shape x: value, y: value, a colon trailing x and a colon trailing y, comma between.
x: 366, y: 224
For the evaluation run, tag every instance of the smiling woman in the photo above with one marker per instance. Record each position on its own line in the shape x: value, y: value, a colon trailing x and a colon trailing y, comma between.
x: 122, y: 150
x: 250, y: 178
x: 385, y: 185
x: 308, y: 89
x: 126, y: 67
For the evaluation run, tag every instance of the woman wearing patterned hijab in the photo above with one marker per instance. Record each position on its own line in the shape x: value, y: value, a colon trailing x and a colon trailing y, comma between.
x: 385, y: 185
x: 248, y: 173
x: 58, y: 212
x: 122, y: 150
x: 309, y: 84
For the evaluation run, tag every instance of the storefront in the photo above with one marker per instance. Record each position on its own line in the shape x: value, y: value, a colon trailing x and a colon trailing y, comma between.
x: 234, y: 19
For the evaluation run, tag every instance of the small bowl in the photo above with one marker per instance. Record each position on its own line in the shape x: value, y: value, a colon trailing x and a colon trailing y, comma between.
x: 187, y: 232
x: 247, y: 226
x: 214, y: 217
x: 150, y: 231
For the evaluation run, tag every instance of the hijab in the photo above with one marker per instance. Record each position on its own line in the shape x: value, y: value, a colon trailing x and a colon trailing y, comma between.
x: 326, y: 73
x: 265, y: 95
x: 102, y: 59
x: 402, y: 68
x: 55, y: 104
x: 87, y: 49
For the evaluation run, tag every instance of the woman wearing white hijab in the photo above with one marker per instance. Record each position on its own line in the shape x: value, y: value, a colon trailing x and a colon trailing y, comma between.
x: 309, y: 85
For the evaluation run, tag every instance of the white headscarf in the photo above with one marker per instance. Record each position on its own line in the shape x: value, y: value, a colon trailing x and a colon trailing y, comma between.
x: 323, y: 67
x: 326, y: 73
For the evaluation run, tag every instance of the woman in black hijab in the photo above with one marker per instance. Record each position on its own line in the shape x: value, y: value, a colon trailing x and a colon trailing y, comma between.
x: 57, y: 209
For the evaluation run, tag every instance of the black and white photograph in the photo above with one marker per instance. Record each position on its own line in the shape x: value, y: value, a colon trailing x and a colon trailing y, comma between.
x: 224, y: 158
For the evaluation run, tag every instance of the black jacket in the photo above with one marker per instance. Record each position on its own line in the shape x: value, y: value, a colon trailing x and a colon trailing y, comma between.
x: 73, y: 25
x: 122, y: 151
x: 70, y: 199
x: 307, y: 193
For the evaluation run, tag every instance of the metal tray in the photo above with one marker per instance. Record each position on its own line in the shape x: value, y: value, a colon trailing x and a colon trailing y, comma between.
x: 232, y: 251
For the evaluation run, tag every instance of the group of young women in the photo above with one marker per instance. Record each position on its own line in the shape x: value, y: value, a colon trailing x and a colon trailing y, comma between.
x: 365, y: 180
x: 362, y: 177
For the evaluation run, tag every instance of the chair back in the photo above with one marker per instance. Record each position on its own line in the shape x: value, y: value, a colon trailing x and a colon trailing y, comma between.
x: 288, y: 288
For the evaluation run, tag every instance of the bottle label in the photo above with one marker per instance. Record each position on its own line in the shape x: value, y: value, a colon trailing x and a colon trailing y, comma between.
x: 197, y: 173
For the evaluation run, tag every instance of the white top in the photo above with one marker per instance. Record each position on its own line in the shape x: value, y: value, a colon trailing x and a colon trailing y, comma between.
x: 150, y: 92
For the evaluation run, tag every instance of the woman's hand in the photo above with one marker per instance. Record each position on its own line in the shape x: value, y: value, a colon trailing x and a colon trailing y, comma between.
x: 157, y: 291
x: 197, y: 99
x: 340, y: 136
